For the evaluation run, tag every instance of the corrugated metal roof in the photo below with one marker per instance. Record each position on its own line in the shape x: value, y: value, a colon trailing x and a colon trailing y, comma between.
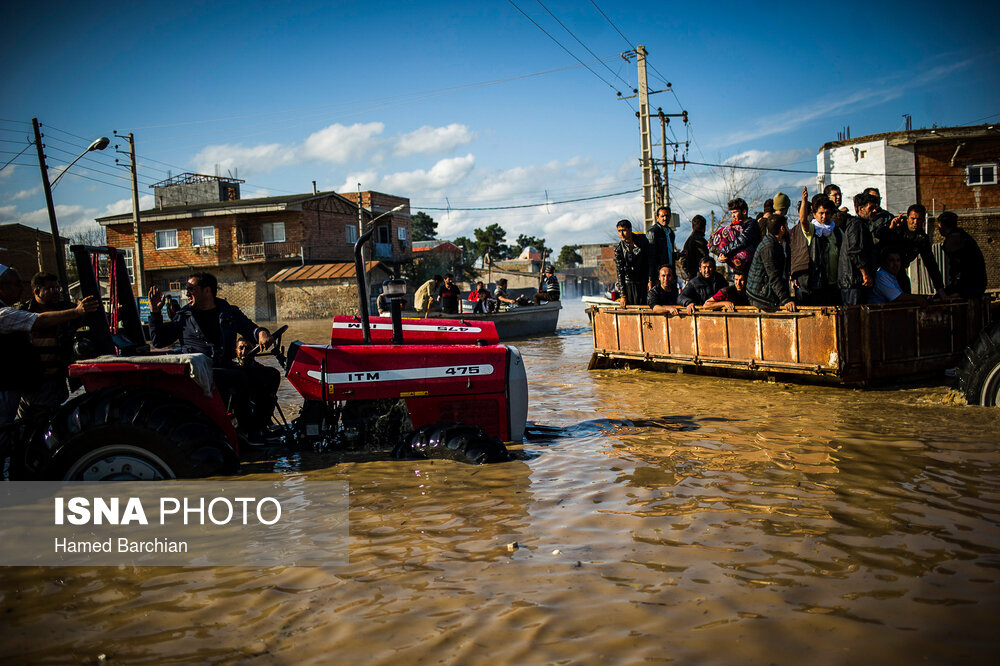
x: 337, y: 271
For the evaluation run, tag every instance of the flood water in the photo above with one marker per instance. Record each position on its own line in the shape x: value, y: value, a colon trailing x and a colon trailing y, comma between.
x: 673, y: 518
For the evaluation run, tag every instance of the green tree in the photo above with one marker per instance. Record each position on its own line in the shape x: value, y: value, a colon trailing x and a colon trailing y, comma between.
x: 492, y: 239
x: 423, y: 227
x: 529, y: 241
x: 569, y: 257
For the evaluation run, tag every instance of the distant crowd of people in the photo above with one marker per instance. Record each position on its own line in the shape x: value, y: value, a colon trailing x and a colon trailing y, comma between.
x: 443, y: 294
x: 830, y: 257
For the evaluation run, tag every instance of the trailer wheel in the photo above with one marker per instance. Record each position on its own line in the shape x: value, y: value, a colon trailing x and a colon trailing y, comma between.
x: 127, y: 433
x: 979, y: 373
x: 451, y: 441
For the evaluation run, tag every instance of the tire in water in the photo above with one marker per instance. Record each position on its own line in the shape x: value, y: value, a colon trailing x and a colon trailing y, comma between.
x: 129, y: 433
x: 451, y: 441
x: 979, y: 373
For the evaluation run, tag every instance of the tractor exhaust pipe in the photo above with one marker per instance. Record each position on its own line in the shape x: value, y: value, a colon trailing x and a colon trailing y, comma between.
x: 359, y: 270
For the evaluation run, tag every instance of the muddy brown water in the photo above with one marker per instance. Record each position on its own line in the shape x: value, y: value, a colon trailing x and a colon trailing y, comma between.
x: 674, y: 518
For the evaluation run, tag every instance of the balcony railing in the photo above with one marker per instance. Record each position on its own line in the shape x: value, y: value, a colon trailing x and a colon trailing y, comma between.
x: 264, y: 251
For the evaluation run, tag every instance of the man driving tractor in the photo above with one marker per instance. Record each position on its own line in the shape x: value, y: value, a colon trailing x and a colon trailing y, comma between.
x: 209, y: 325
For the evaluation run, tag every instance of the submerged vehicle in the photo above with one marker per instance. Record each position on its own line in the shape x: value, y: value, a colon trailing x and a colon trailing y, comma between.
x: 440, y: 389
x: 520, y: 322
x: 855, y: 345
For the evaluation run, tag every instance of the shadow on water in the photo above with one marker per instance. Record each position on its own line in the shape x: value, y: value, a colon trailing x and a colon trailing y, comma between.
x: 606, y: 426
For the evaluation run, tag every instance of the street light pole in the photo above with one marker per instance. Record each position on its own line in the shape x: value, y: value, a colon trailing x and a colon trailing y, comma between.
x: 53, y: 225
x: 97, y: 144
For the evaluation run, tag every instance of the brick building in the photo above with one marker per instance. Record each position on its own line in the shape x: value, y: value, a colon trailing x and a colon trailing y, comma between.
x: 945, y: 168
x: 28, y: 250
x: 201, y: 223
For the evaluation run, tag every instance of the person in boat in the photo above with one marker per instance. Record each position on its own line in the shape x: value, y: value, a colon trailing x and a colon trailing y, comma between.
x: 663, y: 296
x: 474, y: 294
x: 736, y: 242
x: 856, y: 266
x: 450, y: 295
x: 427, y: 294
x: 484, y: 304
x: 631, y: 264
x: 966, y: 266
x: 703, y: 286
x: 906, y: 234
x: 53, y: 347
x: 501, y: 296
x: 767, y: 286
x: 550, y: 287
x: 661, y: 244
x: 814, y: 249
x: 695, y: 247
x: 733, y: 296
x: 209, y: 325
x: 887, y: 287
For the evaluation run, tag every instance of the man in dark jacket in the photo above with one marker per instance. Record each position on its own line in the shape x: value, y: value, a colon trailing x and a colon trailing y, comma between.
x: 966, y: 267
x: 706, y: 284
x: 906, y: 235
x: 209, y: 325
x: 880, y: 219
x: 695, y: 247
x: 661, y: 244
x: 663, y: 296
x: 632, y: 264
x: 767, y: 287
x: 857, y: 265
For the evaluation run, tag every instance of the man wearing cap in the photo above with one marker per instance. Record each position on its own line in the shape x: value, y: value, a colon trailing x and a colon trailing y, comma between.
x: 550, y: 288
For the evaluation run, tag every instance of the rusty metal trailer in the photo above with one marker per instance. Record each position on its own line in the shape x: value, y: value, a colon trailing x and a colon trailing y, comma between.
x: 849, y: 345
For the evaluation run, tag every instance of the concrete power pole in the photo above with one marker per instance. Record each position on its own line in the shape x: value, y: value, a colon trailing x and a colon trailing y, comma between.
x: 57, y: 247
x: 648, y: 203
x: 137, y: 266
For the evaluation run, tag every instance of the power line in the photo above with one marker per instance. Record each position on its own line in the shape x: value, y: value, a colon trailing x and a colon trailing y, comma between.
x: 16, y: 156
x: 534, y: 205
x: 561, y: 45
x: 606, y: 18
x: 580, y: 42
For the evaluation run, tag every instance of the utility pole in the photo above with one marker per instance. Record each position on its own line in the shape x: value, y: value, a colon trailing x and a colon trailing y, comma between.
x: 53, y: 225
x: 137, y: 265
x: 645, y: 142
x: 655, y: 187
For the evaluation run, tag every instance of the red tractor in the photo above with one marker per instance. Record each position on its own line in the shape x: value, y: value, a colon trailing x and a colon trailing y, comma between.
x: 405, y: 388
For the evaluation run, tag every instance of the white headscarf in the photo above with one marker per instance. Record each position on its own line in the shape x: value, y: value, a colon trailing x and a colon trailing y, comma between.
x: 822, y: 229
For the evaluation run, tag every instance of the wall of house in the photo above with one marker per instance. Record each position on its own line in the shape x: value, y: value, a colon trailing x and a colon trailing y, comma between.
x: 942, y: 186
x: 21, y: 248
x: 849, y: 166
x: 314, y: 299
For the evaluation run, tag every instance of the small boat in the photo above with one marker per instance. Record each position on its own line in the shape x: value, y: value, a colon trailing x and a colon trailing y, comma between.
x: 520, y: 322
x: 856, y: 345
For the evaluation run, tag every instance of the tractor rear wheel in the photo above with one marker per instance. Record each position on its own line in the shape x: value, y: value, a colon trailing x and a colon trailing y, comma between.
x: 451, y: 441
x: 128, y: 433
x: 979, y: 373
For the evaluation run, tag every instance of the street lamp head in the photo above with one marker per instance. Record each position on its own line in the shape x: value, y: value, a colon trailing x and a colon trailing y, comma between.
x: 99, y: 144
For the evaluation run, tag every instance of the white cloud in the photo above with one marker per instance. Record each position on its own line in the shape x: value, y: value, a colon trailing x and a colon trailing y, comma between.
x: 7, y: 171
x: 367, y: 179
x: 862, y: 98
x: 8, y: 212
x: 429, y: 139
x: 252, y: 159
x: 122, y: 206
x: 445, y: 173
x: 24, y: 194
x: 340, y: 144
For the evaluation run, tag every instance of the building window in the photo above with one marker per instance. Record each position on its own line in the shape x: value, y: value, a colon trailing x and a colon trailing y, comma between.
x: 981, y: 174
x: 201, y: 236
x: 272, y: 232
x: 166, y: 239
x: 127, y: 254
x: 383, y: 235
x: 351, y: 232
x: 401, y: 233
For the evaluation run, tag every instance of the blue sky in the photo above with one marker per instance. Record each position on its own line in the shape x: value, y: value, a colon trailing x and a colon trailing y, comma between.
x: 470, y: 105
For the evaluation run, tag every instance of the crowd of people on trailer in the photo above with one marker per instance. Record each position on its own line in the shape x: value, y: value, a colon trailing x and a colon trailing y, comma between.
x: 830, y: 257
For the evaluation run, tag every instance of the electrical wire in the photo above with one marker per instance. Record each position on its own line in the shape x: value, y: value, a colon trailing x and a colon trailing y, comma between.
x: 612, y: 24
x: 16, y: 156
x: 580, y: 42
x: 534, y: 205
